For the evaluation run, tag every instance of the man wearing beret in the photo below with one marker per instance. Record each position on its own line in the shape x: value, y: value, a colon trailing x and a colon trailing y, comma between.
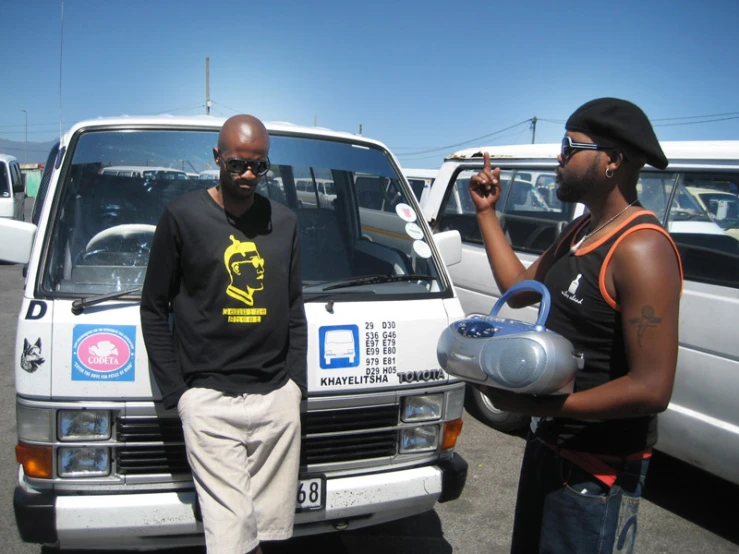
x: 615, y: 279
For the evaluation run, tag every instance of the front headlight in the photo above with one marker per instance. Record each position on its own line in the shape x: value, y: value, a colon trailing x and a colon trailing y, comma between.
x: 422, y: 408
x: 84, y: 425
x: 83, y: 462
x: 419, y: 439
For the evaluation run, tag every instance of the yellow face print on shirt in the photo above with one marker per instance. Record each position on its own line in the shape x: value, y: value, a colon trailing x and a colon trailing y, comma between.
x: 245, y: 268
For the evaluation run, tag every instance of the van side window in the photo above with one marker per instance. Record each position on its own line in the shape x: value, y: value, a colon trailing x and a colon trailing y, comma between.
x: 703, y: 221
x: 530, y: 222
x: 15, y: 175
x: 417, y: 187
x: 4, y: 181
x: 458, y: 212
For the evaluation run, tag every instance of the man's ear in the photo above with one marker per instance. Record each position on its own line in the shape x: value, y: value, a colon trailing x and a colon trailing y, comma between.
x: 616, y: 159
x: 216, y: 155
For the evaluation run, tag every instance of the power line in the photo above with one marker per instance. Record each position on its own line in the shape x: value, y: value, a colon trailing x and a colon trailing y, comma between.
x: 476, y: 139
x: 698, y: 117
x: 227, y: 107
x: 443, y: 155
x: 694, y: 122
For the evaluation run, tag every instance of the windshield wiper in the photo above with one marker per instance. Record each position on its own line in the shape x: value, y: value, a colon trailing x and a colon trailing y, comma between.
x: 78, y: 306
x: 375, y: 279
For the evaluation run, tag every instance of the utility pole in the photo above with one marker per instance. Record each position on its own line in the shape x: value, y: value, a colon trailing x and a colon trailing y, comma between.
x: 533, y: 127
x: 25, y: 151
x: 360, y: 129
x: 315, y: 119
x: 207, y: 86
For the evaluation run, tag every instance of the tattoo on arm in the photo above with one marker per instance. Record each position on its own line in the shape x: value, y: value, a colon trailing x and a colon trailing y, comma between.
x: 647, y: 320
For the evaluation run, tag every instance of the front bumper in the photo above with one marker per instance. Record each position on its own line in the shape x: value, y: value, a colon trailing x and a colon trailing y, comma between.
x: 167, y: 519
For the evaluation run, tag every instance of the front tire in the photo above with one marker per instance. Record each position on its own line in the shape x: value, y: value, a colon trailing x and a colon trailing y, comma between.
x: 480, y: 405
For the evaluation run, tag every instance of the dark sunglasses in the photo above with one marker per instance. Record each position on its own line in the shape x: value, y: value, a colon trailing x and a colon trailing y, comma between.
x: 236, y: 166
x: 569, y: 147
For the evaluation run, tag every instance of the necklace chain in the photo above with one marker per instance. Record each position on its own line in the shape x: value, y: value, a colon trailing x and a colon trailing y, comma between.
x: 577, y: 245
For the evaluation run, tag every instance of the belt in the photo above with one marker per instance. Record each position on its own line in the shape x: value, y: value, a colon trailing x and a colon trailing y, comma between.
x: 597, y: 464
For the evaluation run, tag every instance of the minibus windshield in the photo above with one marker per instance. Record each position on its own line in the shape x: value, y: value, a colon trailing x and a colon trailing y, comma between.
x: 355, y: 216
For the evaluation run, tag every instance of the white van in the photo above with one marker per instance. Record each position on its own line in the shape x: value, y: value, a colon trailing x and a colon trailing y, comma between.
x: 146, y: 172
x: 12, y: 188
x: 701, y: 424
x: 314, y: 192
x: 102, y: 463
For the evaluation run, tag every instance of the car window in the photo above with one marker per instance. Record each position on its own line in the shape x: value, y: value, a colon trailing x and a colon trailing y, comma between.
x: 458, y: 212
x: 529, y: 221
x: 15, y: 176
x: 704, y: 223
x: 417, y: 187
x: 5, y: 190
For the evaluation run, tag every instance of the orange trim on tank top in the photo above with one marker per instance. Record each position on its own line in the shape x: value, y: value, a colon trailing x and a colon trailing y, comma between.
x: 604, y: 267
x: 601, y: 241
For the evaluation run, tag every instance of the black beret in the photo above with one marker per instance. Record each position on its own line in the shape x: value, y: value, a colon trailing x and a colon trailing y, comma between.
x: 620, y: 121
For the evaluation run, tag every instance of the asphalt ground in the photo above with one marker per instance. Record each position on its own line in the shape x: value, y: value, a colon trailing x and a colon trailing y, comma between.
x: 684, y: 510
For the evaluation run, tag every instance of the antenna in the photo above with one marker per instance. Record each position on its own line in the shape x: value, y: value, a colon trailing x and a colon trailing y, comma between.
x: 207, y: 86
x: 61, y: 51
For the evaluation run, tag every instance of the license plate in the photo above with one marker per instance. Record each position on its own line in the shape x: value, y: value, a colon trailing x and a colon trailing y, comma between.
x: 311, y: 494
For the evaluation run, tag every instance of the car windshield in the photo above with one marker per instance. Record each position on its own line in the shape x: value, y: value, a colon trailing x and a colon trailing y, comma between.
x: 354, y: 216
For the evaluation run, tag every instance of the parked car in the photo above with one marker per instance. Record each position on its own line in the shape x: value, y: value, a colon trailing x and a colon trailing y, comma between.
x: 12, y: 188
x: 701, y: 424
x: 101, y: 462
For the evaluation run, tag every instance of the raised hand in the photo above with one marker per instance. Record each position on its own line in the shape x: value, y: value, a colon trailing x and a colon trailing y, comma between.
x: 485, y: 186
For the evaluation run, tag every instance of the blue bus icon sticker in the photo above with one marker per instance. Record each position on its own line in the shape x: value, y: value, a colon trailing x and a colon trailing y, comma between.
x: 339, y: 346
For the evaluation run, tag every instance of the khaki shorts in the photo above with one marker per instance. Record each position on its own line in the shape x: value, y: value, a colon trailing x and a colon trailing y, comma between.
x: 244, y: 454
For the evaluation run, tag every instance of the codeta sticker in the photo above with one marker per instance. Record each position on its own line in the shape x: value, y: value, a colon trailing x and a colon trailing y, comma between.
x: 405, y: 212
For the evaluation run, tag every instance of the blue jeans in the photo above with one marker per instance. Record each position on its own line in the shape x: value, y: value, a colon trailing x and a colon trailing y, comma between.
x: 562, y: 509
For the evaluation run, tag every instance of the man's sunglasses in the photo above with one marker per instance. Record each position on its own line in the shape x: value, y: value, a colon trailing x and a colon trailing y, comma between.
x: 569, y: 147
x: 236, y: 166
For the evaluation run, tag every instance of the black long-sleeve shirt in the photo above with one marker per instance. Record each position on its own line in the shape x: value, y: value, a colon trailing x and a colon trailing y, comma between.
x: 233, y: 288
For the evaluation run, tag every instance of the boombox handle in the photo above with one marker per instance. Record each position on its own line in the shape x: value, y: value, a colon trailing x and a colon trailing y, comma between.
x: 532, y: 286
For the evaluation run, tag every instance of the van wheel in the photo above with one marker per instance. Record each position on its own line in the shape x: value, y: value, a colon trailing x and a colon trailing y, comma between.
x: 480, y: 405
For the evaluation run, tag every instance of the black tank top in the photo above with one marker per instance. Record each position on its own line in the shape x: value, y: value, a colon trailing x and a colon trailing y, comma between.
x: 583, y: 311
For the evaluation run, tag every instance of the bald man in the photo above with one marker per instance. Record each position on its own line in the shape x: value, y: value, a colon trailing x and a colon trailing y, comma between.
x: 225, y: 266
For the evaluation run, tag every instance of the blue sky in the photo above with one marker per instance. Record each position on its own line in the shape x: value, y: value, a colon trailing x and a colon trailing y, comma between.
x: 417, y: 75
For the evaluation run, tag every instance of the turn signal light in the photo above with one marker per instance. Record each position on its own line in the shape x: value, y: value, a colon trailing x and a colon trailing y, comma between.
x: 36, y: 460
x: 452, y: 430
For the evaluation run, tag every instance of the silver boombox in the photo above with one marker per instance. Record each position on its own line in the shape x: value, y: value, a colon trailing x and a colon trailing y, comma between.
x: 510, y: 354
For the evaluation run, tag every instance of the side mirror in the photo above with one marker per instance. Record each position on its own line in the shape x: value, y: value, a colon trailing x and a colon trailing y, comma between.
x: 17, y: 240
x: 449, y: 244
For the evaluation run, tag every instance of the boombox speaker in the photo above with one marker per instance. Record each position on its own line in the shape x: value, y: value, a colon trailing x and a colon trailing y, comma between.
x: 510, y: 354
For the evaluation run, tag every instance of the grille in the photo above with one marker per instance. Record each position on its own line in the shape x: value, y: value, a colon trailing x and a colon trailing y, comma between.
x: 355, y: 434
x: 316, y: 450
